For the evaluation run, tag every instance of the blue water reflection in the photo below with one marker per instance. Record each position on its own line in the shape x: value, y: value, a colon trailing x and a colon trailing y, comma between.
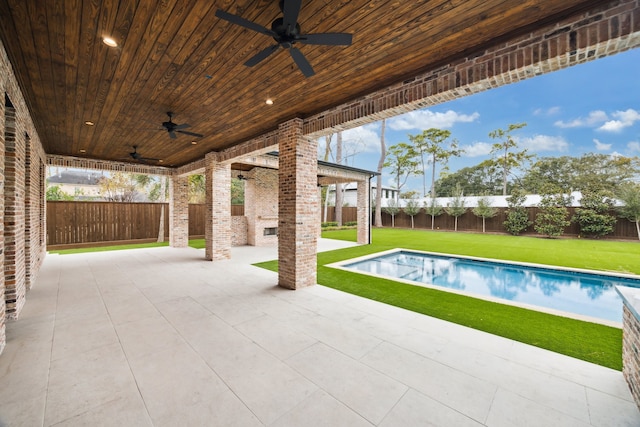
x: 581, y: 293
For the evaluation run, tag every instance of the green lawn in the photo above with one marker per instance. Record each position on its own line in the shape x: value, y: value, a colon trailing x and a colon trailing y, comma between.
x: 587, y: 341
x: 197, y: 243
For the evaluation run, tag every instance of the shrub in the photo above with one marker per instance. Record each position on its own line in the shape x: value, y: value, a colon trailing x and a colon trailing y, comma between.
x: 552, y: 218
x: 350, y: 223
x: 329, y: 224
x: 593, y: 217
x: 517, y: 216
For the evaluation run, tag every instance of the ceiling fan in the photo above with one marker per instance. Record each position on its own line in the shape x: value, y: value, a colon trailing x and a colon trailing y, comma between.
x: 286, y: 32
x: 138, y: 157
x: 172, y: 128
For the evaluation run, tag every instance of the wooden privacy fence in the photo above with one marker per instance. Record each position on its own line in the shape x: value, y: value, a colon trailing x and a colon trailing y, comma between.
x: 73, y: 224
x: 624, y: 229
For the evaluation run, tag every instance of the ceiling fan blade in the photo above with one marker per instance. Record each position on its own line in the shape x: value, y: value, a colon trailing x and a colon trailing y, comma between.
x: 197, y: 135
x: 172, y: 135
x: 301, y: 62
x: 148, y: 159
x: 263, y: 54
x: 235, y: 19
x: 330, y: 39
x: 182, y: 126
x: 290, y: 12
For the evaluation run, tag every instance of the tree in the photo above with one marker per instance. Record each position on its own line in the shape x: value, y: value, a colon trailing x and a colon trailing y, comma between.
x: 237, y: 191
x: 474, y: 180
x: 401, y: 159
x: 593, y: 217
x: 197, y: 187
x: 431, y: 143
x: 412, y: 208
x: 119, y: 187
x: 484, y: 210
x: 503, y: 155
x: 552, y: 218
x: 629, y: 195
x: 392, y: 209
x: 433, y: 209
x: 327, y: 154
x: 602, y: 171
x: 383, y: 154
x: 55, y: 193
x: 556, y: 171
x: 456, y: 207
x: 517, y: 216
x: 339, y: 193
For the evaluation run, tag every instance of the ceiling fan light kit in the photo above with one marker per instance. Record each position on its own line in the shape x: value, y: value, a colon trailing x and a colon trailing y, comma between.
x: 173, y: 128
x: 286, y: 32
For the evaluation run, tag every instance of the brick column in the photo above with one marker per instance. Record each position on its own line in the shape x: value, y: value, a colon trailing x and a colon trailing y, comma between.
x: 14, y: 216
x: 217, y: 229
x: 179, y: 211
x: 364, y: 211
x: 298, y: 207
x: 3, y: 336
x: 261, y: 206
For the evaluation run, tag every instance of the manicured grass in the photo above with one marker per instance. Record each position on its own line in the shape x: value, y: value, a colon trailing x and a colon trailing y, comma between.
x: 583, y: 340
x: 197, y: 243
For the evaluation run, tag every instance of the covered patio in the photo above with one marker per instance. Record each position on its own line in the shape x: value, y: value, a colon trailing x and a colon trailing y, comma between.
x: 154, y: 337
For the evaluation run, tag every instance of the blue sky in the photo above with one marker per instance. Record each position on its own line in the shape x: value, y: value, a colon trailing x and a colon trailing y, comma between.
x: 591, y: 107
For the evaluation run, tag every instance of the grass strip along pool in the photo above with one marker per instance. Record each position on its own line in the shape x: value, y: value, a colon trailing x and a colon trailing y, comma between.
x: 592, y: 342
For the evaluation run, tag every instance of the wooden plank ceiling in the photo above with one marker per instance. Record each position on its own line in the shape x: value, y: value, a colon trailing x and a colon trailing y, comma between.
x: 176, y: 55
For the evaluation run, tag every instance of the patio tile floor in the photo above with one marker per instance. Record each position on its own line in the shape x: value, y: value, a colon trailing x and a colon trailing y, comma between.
x: 161, y: 337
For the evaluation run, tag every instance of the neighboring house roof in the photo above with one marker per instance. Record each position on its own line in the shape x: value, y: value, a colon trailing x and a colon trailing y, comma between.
x: 75, y: 178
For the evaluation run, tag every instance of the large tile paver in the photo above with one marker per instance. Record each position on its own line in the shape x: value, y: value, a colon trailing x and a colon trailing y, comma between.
x: 162, y: 337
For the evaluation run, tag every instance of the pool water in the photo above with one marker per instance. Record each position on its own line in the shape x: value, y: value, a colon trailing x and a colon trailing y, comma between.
x: 585, y: 294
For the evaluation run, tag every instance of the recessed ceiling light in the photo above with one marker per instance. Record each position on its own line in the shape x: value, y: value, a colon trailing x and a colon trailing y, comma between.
x: 83, y: 150
x: 194, y: 142
x: 89, y: 123
x: 109, y: 41
x: 160, y: 161
x: 269, y: 101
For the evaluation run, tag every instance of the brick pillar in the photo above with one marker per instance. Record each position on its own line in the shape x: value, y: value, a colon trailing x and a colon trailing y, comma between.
x: 261, y: 206
x: 298, y: 207
x: 179, y: 211
x: 217, y: 229
x: 364, y: 211
x: 14, y: 217
x: 320, y: 209
x: 3, y: 336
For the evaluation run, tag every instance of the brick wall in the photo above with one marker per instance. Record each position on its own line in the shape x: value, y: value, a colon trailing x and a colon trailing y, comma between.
x: 239, y: 231
x: 14, y: 214
x: 298, y: 207
x: 261, y: 206
x: 631, y: 352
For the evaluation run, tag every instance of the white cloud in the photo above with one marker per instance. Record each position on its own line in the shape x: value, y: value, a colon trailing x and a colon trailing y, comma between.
x: 594, y: 118
x: 624, y: 119
x: 367, y: 137
x: 601, y: 146
x: 425, y: 119
x: 552, y: 111
x: 476, y: 149
x: 539, y: 143
x: 634, y: 146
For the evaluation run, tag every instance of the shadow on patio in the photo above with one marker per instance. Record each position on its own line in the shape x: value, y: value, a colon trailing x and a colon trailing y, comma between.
x: 150, y: 337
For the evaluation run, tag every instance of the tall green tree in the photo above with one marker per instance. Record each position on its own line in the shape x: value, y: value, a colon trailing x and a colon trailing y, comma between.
x: 432, y: 144
x: 402, y: 161
x: 197, y: 188
x: 505, y: 154
x: 556, y: 171
x: 517, y: 215
x: 456, y: 206
x: 119, y: 187
x: 602, y: 172
x: 484, y: 210
x: 629, y: 195
x: 483, y: 178
x: 56, y: 193
x: 383, y: 154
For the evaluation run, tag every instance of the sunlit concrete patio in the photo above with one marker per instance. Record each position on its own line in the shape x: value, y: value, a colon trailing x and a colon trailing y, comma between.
x: 161, y: 337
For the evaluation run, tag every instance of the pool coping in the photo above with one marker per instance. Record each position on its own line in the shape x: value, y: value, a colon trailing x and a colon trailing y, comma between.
x: 340, y: 265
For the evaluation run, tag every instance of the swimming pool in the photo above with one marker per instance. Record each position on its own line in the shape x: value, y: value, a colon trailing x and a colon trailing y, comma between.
x: 569, y: 291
